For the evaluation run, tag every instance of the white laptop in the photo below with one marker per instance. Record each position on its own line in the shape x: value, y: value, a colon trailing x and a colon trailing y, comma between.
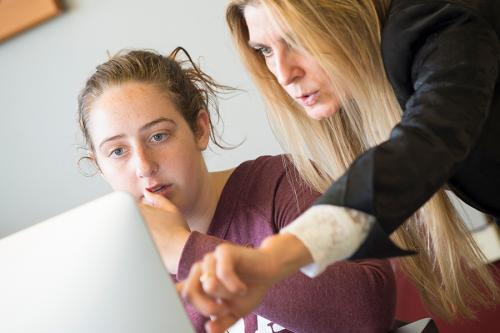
x: 93, y: 269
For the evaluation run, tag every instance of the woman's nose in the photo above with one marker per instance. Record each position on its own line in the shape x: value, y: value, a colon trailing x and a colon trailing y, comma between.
x: 286, y: 68
x: 146, y: 165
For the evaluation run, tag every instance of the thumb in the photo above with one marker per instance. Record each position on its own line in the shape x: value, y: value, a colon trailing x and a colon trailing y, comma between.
x: 158, y: 201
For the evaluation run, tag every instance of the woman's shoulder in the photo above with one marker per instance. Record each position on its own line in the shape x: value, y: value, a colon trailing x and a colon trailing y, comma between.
x: 413, y: 21
x: 262, y: 174
x: 400, y: 6
x: 415, y: 25
x: 262, y: 182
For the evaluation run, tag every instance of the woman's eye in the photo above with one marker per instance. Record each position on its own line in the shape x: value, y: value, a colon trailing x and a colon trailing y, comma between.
x: 265, y: 51
x: 117, y: 152
x: 158, y: 137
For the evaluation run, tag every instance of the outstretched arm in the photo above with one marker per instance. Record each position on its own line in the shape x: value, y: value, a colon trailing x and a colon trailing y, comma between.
x: 348, y: 296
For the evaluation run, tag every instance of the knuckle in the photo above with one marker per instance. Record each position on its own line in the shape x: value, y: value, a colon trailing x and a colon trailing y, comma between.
x: 208, y: 257
x: 222, y: 250
x: 210, y: 287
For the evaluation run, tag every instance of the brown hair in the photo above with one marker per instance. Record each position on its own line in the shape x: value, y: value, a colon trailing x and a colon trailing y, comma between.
x: 344, y: 36
x: 190, y: 89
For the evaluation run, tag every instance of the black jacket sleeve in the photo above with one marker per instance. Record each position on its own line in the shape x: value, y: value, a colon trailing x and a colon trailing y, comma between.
x: 442, y: 61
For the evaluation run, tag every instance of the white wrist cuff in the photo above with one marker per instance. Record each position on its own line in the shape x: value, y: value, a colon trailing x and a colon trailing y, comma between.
x: 330, y: 233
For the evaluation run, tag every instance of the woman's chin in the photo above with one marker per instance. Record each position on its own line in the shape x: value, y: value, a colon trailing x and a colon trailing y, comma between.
x: 320, y: 112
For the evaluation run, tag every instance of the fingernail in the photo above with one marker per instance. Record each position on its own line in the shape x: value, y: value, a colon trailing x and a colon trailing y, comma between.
x: 148, y: 201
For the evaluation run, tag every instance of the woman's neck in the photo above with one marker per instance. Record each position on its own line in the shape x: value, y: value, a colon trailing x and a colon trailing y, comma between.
x: 201, y: 218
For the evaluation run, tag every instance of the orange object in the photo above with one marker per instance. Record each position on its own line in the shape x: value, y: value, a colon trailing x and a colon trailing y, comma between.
x: 19, y: 15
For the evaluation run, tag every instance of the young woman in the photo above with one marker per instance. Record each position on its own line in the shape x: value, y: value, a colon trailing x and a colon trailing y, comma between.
x: 393, y: 101
x: 146, y: 120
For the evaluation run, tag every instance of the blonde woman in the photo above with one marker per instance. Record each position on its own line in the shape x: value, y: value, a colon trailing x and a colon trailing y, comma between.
x: 393, y: 102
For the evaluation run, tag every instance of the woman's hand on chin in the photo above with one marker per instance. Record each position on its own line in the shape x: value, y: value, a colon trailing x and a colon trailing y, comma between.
x: 168, y: 227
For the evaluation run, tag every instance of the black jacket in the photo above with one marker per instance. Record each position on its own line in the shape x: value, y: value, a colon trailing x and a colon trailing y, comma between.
x: 442, y: 59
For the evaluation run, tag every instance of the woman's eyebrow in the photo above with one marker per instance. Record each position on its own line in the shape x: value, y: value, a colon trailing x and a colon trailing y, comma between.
x: 256, y: 45
x: 114, y: 137
x: 143, y: 128
x: 156, y: 122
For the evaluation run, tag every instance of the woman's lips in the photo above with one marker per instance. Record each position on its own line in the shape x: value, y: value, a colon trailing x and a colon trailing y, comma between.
x: 159, y: 189
x: 309, y: 99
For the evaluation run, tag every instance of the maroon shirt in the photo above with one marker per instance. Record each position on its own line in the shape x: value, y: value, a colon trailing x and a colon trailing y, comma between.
x: 261, y: 197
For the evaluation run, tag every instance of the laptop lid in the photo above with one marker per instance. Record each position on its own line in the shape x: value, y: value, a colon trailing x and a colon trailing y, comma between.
x: 92, y: 269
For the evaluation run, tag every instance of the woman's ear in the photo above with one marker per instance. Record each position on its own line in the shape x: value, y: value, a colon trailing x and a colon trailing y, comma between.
x: 93, y: 160
x: 202, y: 134
x: 88, y: 165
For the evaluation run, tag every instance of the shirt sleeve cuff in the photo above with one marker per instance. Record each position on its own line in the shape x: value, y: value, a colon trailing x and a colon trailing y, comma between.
x: 330, y: 233
x: 197, y: 245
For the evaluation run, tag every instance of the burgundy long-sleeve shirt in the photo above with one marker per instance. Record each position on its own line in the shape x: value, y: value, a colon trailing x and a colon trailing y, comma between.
x: 261, y: 197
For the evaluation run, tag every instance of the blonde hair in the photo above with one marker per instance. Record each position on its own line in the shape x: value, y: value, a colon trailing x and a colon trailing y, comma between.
x: 448, y: 269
